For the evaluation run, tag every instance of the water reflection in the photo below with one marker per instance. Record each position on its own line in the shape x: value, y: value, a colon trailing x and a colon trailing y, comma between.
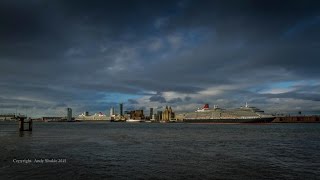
x: 25, y: 133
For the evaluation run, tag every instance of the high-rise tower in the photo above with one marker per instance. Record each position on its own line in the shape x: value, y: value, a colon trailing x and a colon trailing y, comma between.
x: 121, y: 109
x: 151, y: 113
x: 69, y: 114
x: 112, y: 111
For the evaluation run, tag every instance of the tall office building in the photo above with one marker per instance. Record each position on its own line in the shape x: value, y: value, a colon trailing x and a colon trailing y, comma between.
x: 151, y: 113
x: 69, y: 114
x: 112, y: 111
x: 159, y: 115
x: 121, y: 109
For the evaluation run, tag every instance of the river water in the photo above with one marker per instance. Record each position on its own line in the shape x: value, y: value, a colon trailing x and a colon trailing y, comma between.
x: 103, y: 150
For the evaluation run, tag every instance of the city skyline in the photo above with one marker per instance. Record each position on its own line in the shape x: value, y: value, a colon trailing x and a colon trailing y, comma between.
x: 92, y: 55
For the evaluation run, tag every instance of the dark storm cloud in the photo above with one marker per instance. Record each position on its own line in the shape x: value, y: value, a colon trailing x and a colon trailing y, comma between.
x: 249, y: 34
x: 132, y: 101
x: 167, y: 84
x: 73, y: 53
x: 256, y: 20
x: 175, y: 100
x: 157, y: 98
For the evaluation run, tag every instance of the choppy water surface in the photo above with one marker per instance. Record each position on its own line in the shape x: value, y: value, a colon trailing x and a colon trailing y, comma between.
x: 161, y: 151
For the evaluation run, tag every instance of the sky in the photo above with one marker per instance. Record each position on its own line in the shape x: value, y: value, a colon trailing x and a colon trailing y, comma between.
x: 92, y: 55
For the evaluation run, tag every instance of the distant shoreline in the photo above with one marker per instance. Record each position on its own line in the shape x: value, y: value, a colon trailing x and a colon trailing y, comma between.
x: 280, y: 119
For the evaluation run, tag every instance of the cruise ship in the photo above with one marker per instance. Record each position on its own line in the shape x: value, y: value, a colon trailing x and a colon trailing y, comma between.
x: 244, y: 114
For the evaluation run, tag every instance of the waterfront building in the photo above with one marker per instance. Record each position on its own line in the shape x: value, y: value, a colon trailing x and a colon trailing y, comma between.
x: 167, y: 114
x: 137, y: 114
x: 53, y: 119
x: 7, y: 117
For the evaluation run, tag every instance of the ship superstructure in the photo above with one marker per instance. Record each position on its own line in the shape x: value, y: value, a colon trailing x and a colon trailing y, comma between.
x: 216, y: 114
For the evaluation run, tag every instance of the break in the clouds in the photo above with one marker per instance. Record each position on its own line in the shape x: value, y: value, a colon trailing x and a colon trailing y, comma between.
x: 91, y: 55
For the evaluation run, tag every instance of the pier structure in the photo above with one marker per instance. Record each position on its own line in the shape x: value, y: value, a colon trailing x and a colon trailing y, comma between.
x: 22, y: 122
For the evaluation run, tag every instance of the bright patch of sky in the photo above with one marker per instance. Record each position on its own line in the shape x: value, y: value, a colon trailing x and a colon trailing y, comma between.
x: 284, y: 87
x: 286, y: 84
